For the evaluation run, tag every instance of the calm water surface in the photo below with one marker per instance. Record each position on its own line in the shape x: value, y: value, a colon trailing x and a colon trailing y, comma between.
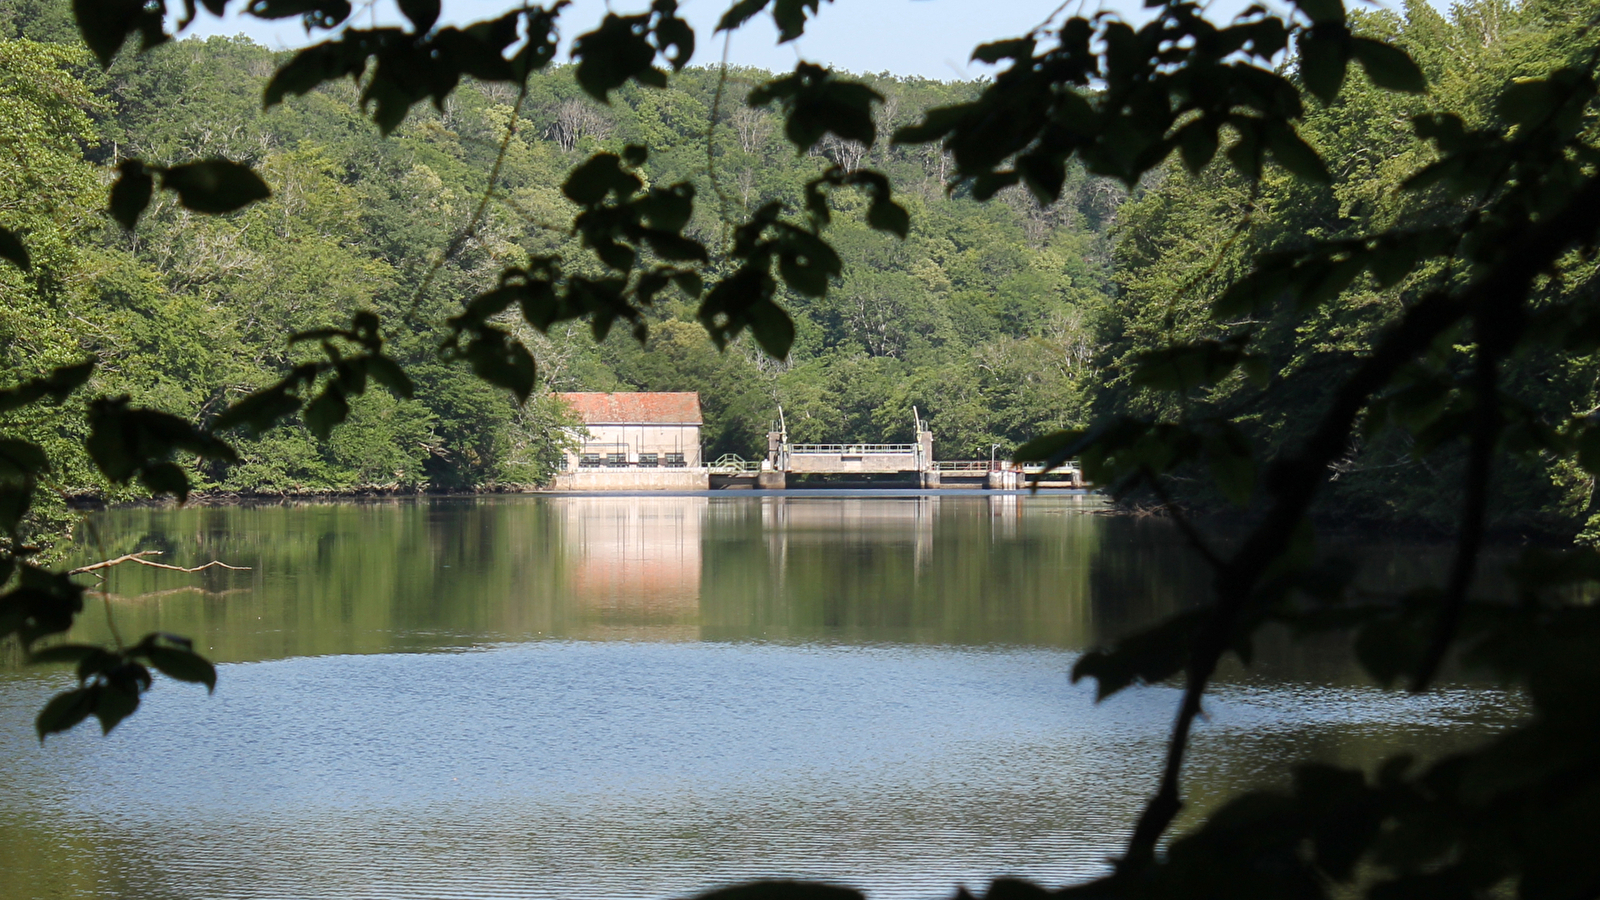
x: 649, y: 696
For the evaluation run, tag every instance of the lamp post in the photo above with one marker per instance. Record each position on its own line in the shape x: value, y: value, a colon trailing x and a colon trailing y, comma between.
x: 992, y: 448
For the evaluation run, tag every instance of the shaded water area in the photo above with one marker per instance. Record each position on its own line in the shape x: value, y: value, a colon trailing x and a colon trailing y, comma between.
x: 590, y: 696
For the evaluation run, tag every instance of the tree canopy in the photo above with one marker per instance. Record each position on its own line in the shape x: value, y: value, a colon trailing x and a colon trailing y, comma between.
x: 1354, y: 279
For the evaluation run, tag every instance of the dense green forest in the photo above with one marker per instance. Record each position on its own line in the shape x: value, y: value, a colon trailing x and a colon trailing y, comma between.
x: 982, y: 319
x: 998, y: 321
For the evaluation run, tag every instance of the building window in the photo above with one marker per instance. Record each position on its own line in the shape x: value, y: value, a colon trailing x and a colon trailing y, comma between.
x: 616, y: 459
x: 589, y: 460
x: 648, y: 461
x: 675, y: 461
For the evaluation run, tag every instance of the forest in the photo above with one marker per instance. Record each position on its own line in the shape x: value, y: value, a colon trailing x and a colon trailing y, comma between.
x: 997, y: 321
x: 983, y: 318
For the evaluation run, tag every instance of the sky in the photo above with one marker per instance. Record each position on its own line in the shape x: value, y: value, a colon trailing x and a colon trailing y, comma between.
x: 926, y: 38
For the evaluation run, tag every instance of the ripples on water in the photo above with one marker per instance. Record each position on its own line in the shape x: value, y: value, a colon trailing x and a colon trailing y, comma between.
x: 621, y: 769
x: 634, y: 770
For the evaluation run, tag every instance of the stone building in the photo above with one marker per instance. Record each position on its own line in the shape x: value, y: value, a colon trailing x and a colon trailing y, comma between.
x: 635, y: 441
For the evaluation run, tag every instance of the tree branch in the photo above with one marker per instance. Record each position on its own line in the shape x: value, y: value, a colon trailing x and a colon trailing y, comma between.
x: 139, y: 558
x: 1190, y: 533
x: 1295, y: 482
x: 1485, y: 433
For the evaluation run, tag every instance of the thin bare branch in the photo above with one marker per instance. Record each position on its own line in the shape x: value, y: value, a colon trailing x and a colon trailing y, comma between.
x: 139, y: 558
x: 1480, y: 461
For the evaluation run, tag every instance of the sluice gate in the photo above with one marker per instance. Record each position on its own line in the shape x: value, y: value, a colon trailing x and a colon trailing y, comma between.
x: 788, y: 463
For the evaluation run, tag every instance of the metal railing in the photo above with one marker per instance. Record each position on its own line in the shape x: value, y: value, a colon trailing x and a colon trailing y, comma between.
x: 1070, y: 465
x: 964, y: 465
x: 850, y: 449
x: 734, y: 464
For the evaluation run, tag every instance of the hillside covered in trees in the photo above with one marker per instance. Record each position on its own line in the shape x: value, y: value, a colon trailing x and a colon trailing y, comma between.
x: 981, y: 319
x: 998, y: 321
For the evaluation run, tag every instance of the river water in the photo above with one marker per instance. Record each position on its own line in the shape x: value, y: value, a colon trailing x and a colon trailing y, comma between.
x: 617, y: 697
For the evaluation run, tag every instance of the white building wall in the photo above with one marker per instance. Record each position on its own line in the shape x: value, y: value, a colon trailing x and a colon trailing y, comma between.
x: 636, y: 439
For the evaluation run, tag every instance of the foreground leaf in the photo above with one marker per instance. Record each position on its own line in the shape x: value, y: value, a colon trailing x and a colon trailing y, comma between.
x: 12, y: 250
x: 215, y: 185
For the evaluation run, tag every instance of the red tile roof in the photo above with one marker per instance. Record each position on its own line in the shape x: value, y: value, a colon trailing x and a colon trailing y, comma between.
x: 636, y: 408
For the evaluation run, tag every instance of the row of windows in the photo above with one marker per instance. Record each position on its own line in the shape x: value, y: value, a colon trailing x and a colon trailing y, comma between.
x: 646, y: 460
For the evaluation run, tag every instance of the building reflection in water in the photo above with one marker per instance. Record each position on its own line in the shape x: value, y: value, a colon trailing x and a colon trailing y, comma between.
x: 634, y: 564
x: 918, y: 569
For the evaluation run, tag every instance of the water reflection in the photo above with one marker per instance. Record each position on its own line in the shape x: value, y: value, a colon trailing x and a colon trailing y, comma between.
x: 634, y: 564
x: 643, y: 697
x: 436, y: 574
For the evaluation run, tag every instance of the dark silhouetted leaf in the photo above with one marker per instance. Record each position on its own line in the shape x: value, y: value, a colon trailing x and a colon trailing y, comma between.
x: 1231, y: 468
x: 316, y: 13
x: 215, y: 185
x: 166, y: 478
x: 21, y: 459
x: 889, y: 216
x: 1392, y: 647
x: 772, y: 328
x: 64, y: 653
x: 131, y: 193
x: 258, y: 411
x: 388, y: 373
x: 64, y: 711
x: 114, y: 701
x: 673, y: 36
x: 124, y: 440
x: 13, y: 250
x: 783, y: 890
x: 184, y: 665
x: 1146, y: 657
x: 1295, y: 155
x: 56, y: 386
x: 328, y: 410
x: 1389, y: 67
x: 106, y: 25
x: 1198, y: 144
x: 614, y: 53
x: 422, y: 13
x: 1187, y: 366
x: 740, y: 13
x: 1324, y: 55
x: 790, y: 17
x: 816, y: 102
x: 318, y: 64
x: 1320, y: 11
x: 15, y: 500
x: 1015, y: 48
x: 43, y: 603
x: 597, y: 178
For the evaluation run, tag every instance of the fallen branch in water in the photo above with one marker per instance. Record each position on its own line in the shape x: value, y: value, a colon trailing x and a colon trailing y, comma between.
x: 140, y: 559
x: 158, y: 595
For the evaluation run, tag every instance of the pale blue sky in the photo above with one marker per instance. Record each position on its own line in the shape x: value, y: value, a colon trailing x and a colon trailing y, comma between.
x: 930, y: 38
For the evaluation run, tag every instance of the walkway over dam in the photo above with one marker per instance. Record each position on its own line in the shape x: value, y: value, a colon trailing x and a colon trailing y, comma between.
x: 788, y: 462
x: 650, y: 441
